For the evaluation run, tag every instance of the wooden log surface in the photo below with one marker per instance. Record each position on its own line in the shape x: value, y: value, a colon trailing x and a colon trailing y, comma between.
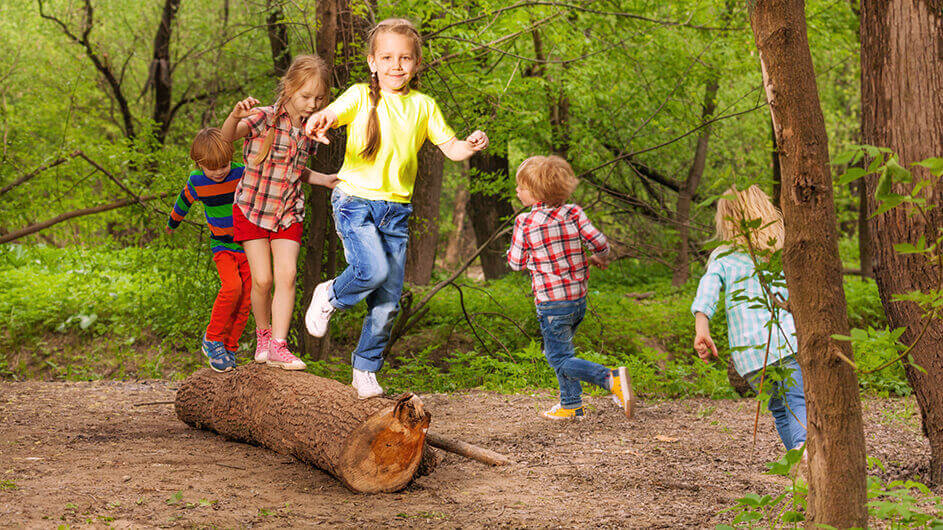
x: 373, y: 445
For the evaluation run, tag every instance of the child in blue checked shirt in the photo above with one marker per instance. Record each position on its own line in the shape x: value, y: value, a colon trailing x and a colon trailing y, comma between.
x: 731, y: 269
x: 548, y: 241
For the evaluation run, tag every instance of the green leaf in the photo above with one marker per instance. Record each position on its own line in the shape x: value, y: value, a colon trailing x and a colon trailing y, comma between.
x: 934, y: 164
x: 851, y: 174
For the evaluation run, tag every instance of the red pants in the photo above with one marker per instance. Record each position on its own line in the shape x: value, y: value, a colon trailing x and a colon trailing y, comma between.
x: 231, y: 309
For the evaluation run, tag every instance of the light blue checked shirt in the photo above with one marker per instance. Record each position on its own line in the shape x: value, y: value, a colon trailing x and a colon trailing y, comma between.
x: 747, y: 321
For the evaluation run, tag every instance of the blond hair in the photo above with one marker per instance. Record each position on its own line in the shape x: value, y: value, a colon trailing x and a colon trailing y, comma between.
x: 736, y: 209
x: 400, y: 26
x: 303, y: 69
x: 209, y: 150
x: 550, y: 179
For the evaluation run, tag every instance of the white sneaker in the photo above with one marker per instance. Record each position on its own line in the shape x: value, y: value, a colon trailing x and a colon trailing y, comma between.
x: 366, y: 384
x: 320, y: 310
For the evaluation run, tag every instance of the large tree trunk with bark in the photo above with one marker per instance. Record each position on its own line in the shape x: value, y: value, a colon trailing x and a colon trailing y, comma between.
x: 278, y: 38
x: 424, y: 224
x: 902, y: 109
x: 683, y: 215
x: 835, y: 442
x: 488, y: 210
x: 373, y: 445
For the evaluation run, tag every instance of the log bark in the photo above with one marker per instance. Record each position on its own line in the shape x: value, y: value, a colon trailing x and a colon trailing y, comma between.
x: 902, y: 109
x: 835, y: 443
x: 373, y: 445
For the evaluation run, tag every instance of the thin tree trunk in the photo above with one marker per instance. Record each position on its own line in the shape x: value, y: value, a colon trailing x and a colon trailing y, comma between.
x: 864, y: 231
x: 835, y: 442
x: 424, y: 223
x: 902, y: 109
x: 278, y: 38
x: 161, y: 71
x: 488, y: 211
x: 453, y: 252
x: 683, y: 215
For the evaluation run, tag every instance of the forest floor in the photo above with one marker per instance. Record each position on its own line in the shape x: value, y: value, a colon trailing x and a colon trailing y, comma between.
x: 83, y: 454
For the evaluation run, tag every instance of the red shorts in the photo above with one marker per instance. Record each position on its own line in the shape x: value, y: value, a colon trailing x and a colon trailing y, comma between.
x: 244, y: 230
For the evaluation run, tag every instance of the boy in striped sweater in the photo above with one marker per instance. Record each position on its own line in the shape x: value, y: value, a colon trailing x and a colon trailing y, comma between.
x: 213, y: 183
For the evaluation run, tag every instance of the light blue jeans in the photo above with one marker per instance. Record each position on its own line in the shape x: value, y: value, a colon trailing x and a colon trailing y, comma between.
x: 558, y: 323
x: 375, y: 234
x: 789, y: 425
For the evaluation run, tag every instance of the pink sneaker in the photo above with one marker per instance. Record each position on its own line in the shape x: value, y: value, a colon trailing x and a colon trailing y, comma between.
x: 263, y: 344
x: 280, y: 356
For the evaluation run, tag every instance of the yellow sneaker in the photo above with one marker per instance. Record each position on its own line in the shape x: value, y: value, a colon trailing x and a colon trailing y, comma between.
x: 560, y: 413
x: 621, y: 390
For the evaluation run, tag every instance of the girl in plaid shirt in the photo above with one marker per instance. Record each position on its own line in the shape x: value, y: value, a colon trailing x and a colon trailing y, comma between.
x: 387, y: 122
x: 268, y: 209
x: 548, y: 242
x: 756, y: 341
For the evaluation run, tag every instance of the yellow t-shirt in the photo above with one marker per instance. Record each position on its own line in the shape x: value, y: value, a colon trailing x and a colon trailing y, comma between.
x: 405, y: 123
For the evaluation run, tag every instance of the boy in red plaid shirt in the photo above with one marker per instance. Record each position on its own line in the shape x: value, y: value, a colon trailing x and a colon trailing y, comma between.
x: 548, y: 241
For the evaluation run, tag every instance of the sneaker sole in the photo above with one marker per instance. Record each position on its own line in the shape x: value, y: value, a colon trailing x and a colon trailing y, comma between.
x: 286, y: 366
x: 626, y: 387
x: 310, y: 316
x: 558, y: 418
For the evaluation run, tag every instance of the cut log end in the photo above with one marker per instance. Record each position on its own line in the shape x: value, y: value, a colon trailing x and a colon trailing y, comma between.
x: 383, y: 454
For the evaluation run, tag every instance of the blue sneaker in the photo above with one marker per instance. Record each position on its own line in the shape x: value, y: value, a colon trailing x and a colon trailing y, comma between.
x: 220, y: 359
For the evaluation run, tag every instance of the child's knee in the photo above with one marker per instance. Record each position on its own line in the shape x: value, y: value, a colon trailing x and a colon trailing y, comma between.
x: 262, y: 281
x: 285, y: 276
x: 372, y: 275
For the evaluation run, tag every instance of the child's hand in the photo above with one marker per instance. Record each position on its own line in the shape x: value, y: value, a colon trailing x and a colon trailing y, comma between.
x: 477, y: 140
x: 704, y: 346
x: 328, y: 180
x: 244, y: 108
x: 318, y: 125
x: 599, y: 261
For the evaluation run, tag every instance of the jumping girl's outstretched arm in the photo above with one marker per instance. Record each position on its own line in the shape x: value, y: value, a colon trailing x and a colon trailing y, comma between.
x: 233, y: 128
x: 319, y: 123
x: 458, y: 150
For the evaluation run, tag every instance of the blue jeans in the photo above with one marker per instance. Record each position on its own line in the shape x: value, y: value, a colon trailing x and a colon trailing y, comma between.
x: 374, y: 234
x: 558, y: 323
x: 791, y: 430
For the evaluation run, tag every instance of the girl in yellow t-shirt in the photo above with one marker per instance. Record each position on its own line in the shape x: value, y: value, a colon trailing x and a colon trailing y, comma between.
x: 387, y: 122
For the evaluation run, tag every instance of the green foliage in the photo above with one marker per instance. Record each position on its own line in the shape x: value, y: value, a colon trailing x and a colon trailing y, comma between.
x: 898, y: 504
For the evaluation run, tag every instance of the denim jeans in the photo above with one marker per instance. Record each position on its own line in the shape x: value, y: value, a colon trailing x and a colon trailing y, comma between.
x: 374, y: 234
x: 558, y: 323
x: 791, y: 430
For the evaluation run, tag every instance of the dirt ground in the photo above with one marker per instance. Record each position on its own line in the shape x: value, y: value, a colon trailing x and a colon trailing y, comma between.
x: 83, y: 454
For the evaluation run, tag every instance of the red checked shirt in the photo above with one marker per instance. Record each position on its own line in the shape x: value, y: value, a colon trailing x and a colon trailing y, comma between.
x: 548, y: 241
x: 270, y: 194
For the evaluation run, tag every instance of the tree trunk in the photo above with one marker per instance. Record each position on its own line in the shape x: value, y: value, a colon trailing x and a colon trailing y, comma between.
x: 902, y: 109
x: 372, y: 445
x: 864, y: 231
x: 683, y: 215
x: 777, y: 169
x: 278, y: 38
x: 488, y: 210
x: 161, y: 71
x: 457, y: 243
x: 424, y: 224
x: 835, y: 442
x: 320, y: 235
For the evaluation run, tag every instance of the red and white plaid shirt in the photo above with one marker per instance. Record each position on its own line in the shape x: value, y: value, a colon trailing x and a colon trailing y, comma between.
x: 548, y: 240
x: 270, y: 194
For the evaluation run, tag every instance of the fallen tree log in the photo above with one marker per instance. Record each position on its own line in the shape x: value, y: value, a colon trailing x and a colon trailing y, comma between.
x: 373, y: 445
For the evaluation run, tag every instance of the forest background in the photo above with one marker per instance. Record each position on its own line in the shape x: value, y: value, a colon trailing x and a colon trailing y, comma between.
x: 658, y: 107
